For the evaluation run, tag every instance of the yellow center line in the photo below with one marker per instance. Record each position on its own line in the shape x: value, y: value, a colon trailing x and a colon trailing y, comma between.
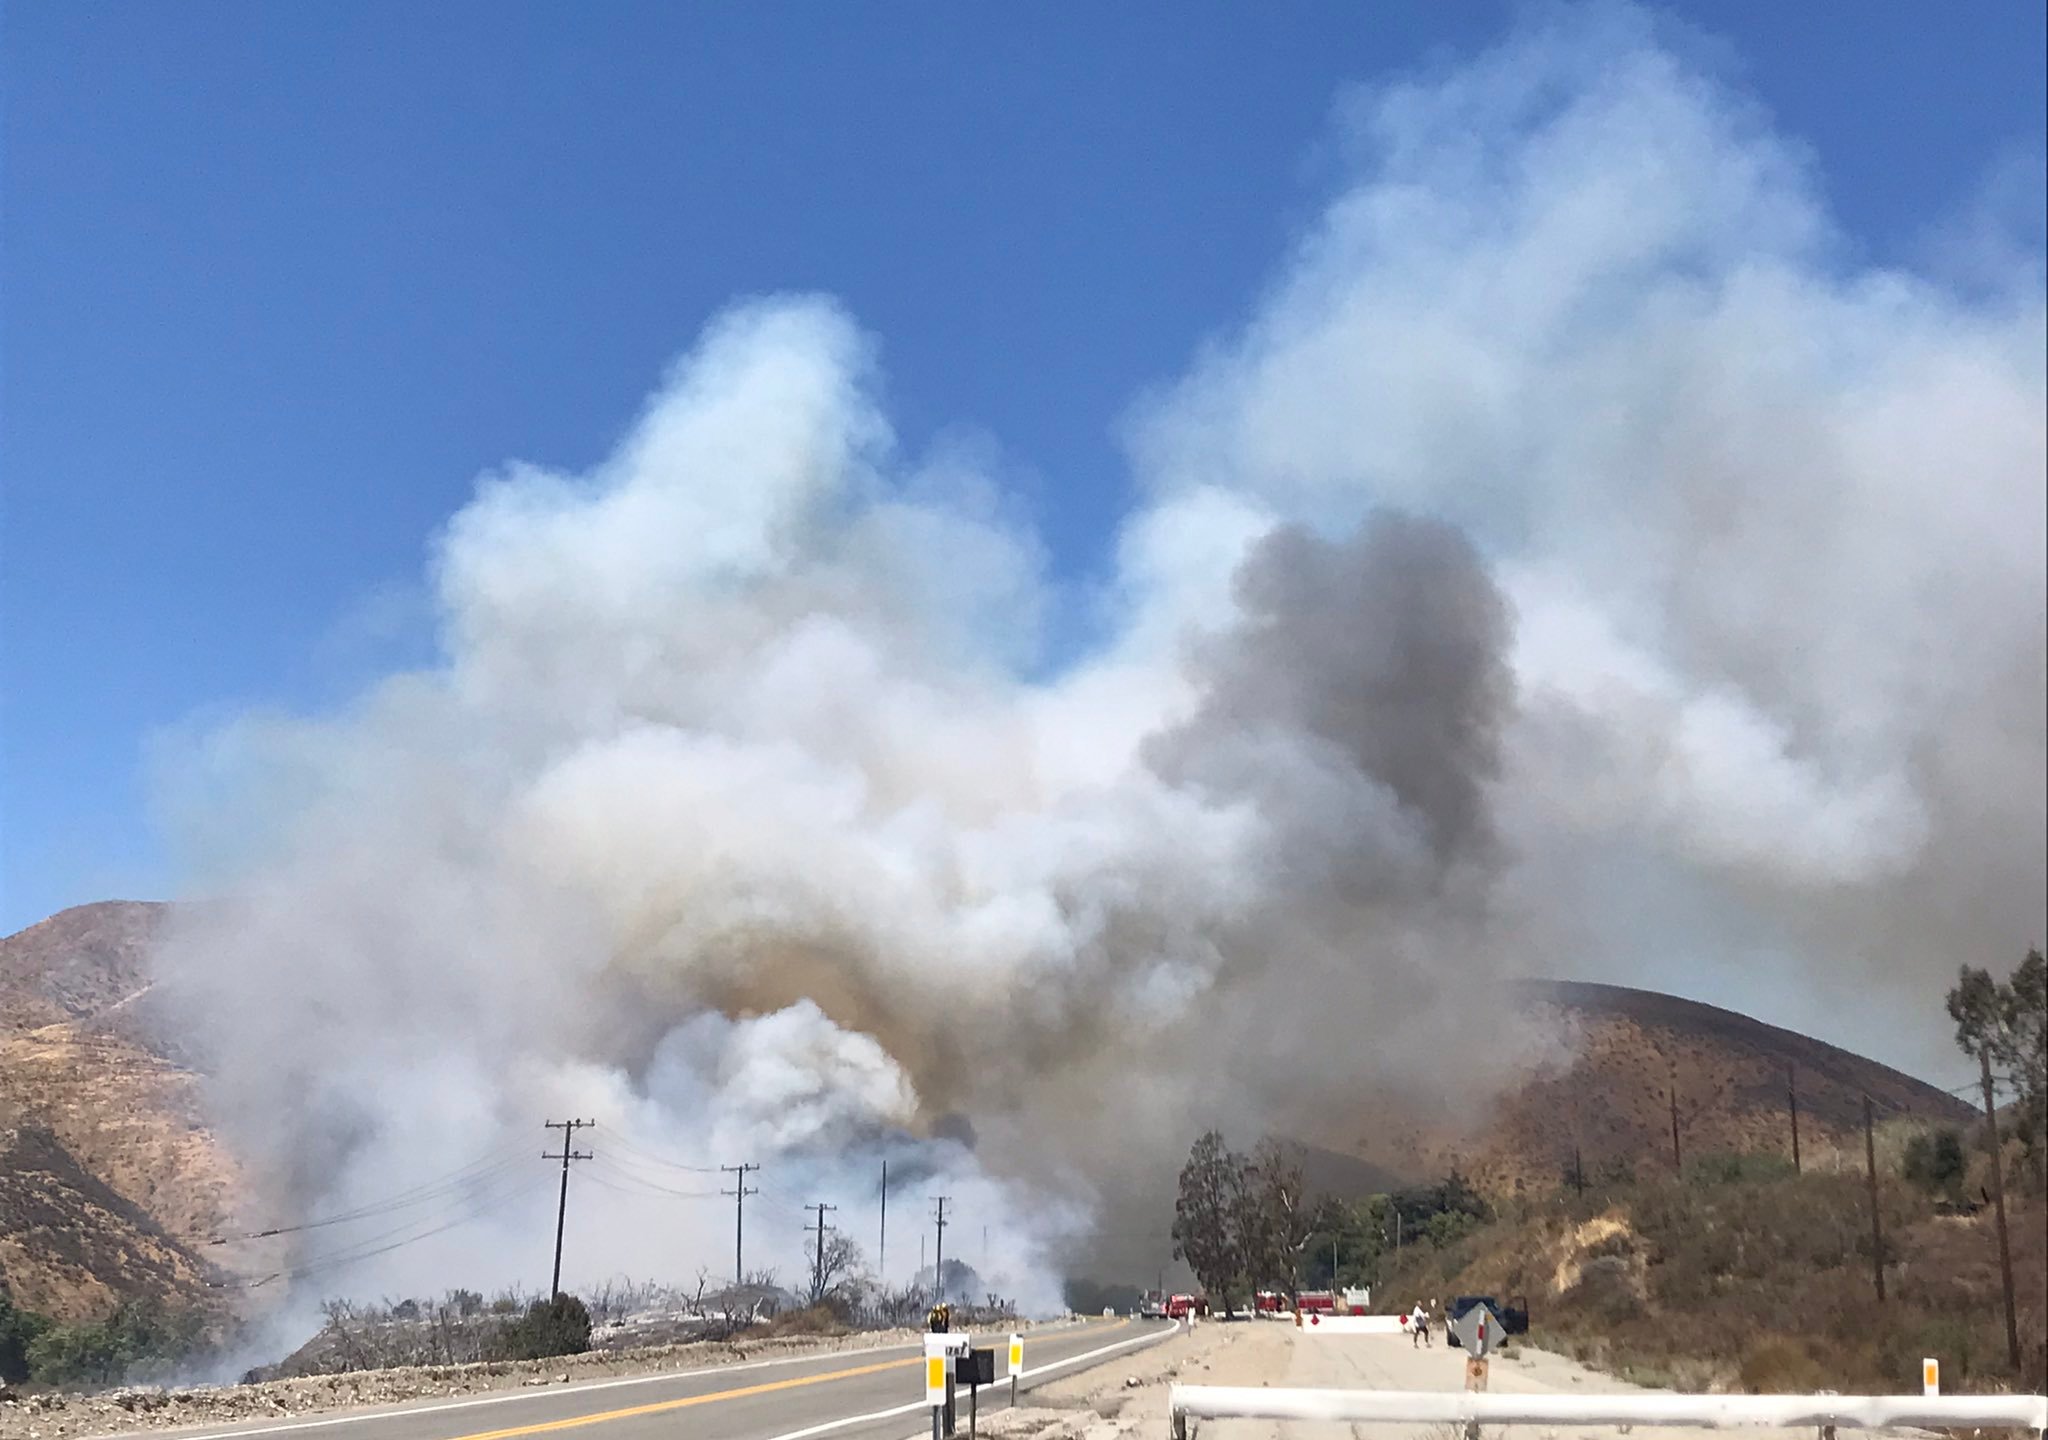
x: 659, y: 1406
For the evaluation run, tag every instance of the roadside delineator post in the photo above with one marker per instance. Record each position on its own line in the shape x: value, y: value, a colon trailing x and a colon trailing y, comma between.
x: 935, y: 1386
x: 942, y: 1349
x: 1930, y: 1376
x: 1016, y: 1366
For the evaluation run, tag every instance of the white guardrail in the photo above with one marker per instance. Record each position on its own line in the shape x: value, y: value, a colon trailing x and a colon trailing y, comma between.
x: 1715, y: 1412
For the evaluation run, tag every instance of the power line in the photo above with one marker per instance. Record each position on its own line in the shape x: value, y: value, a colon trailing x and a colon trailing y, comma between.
x: 625, y: 1182
x: 640, y: 1152
x: 369, y: 1245
x: 468, y: 1177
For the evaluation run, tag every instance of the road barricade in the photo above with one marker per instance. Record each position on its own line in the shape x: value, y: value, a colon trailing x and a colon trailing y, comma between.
x: 1714, y: 1412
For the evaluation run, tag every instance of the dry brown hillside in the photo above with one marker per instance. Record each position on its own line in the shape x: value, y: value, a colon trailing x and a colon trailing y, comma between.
x: 112, y: 1178
x: 1609, y: 1095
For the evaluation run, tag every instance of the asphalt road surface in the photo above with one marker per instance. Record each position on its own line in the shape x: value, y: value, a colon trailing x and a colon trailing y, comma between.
x: 849, y: 1395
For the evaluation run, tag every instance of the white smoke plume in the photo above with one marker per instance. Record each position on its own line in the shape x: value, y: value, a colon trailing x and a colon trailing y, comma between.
x: 1574, y: 565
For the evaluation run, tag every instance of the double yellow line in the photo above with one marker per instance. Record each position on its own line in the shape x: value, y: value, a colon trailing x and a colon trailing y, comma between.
x: 659, y: 1406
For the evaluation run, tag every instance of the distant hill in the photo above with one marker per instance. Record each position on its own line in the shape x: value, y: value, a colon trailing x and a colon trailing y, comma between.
x: 110, y: 1179
x: 1608, y: 1094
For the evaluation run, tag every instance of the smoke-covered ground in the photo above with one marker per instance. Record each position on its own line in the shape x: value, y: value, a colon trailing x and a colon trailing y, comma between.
x: 1577, y: 563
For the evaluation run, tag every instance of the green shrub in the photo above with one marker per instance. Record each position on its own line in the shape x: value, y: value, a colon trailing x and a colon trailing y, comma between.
x: 18, y: 1331
x: 1934, y: 1160
x: 139, y: 1340
x: 560, y: 1326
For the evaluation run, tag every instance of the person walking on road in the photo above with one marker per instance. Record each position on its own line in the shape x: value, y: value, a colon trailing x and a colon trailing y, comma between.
x: 1418, y: 1327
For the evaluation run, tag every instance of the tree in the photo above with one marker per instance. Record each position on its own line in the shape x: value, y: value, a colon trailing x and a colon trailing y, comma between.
x: 835, y: 1269
x: 1206, y: 1217
x: 2009, y: 1022
x: 1276, y: 1219
x: 1347, y: 1244
x: 18, y: 1330
x: 1934, y: 1161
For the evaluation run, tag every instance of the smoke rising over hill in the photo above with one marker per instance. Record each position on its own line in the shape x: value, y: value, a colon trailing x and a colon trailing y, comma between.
x: 1571, y: 565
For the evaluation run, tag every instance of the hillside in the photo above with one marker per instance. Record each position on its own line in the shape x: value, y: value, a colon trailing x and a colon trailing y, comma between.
x: 83, y: 1070
x: 111, y: 1179
x: 1608, y: 1096
x: 71, y: 1246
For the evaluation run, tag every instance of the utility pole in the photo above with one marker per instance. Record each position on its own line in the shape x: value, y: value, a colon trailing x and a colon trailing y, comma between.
x: 739, y: 1193
x: 1876, y: 1228
x: 1792, y: 1100
x: 2012, y: 1324
x: 569, y: 1152
x: 882, y: 1245
x: 939, y: 1269
x: 818, y: 1269
x: 1677, y: 1160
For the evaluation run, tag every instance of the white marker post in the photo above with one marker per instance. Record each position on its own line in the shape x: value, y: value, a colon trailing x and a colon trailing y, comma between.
x: 1930, y: 1376
x: 1016, y: 1366
x: 940, y: 1351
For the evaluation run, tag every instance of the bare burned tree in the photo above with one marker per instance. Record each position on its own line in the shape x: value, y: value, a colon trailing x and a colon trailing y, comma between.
x: 836, y: 1271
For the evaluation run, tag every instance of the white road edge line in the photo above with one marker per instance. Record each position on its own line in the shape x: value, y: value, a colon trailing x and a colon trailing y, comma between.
x: 1032, y: 1372
x: 826, y: 1425
x: 822, y: 1426
x: 531, y: 1392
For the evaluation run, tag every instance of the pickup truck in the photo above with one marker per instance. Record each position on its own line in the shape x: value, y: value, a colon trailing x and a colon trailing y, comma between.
x: 1514, y: 1316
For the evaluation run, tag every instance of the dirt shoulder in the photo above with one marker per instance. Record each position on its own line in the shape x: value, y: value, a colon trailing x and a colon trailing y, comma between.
x: 1127, y: 1397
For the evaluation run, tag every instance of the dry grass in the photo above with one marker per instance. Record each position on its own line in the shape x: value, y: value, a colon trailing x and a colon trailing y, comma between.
x: 1761, y: 1285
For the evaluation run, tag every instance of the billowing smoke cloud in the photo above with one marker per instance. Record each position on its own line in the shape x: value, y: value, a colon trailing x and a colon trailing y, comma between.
x: 1573, y: 566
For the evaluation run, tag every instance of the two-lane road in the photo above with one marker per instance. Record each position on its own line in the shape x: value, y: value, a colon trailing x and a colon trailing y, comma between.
x: 872, y: 1394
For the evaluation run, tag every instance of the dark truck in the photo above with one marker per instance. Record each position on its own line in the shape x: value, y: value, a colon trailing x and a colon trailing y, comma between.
x: 1514, y: 1316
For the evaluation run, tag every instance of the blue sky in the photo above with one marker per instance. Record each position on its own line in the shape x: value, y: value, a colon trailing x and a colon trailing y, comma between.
x: 280, y: 281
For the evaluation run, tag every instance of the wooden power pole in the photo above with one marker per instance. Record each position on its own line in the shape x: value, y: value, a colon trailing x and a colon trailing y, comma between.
x: 1876, y: 1227
x: 569, y: 1152
x: 2012, y: 1323
x: 739, y: 1192
x: 1677, y: 1159
x: 1792, y: 1102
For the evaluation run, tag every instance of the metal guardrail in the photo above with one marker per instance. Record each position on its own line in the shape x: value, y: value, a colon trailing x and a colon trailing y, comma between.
x: 1714, y: 1412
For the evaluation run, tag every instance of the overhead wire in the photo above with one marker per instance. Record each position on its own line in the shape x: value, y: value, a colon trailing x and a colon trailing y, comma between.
x: 612, y: 1176
x: 479, y: 1171
x: 623, y: 1142
x: 497, y: 1197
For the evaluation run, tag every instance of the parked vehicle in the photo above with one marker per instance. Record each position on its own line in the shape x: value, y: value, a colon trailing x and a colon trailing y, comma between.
x: 1153, y: 1307
x: 1514, y: 1316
